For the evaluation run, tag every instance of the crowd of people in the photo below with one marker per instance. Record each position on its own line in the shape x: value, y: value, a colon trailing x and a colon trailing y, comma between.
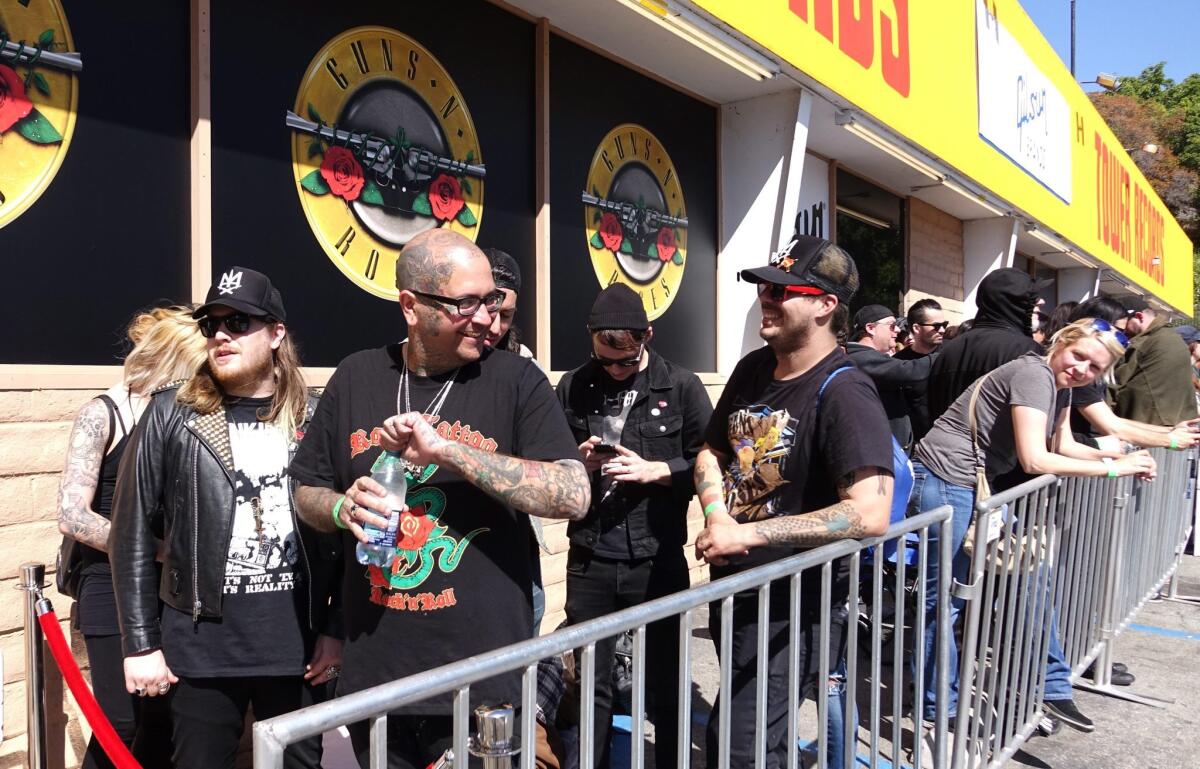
x: 220, y: 502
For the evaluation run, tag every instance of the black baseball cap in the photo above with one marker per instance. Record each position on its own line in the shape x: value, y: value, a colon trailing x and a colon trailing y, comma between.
x: 870, y: 314
x: 241, y: 288
x: 810, y: 261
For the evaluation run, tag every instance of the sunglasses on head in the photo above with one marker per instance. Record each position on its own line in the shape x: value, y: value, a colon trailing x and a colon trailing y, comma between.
x: 779, y: 293
x: 1104, y: 327
x: 936, y: 326
x: 629, y: 362
x: 236, y: 323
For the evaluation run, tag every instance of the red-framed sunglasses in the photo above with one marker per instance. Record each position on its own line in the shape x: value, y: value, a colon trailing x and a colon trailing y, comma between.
x: 778, y: 293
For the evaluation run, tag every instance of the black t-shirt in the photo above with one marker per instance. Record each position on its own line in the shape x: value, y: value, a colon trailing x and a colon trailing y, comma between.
x: 260, y: 631
x: 784, y: 456
x: 611, y: 501
x: 461, y: 584
x: 1081, y: 397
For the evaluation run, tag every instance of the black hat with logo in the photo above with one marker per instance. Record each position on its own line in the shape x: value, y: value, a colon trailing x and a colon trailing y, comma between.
x: 810, y: 261
x: 241, y: 288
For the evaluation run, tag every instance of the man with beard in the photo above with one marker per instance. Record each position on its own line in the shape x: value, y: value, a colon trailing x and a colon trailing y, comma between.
x: 245, y: 587
x: 778, y: 475
x: 927, y: 324
x: 486, y: 444
x: 1154, y: 382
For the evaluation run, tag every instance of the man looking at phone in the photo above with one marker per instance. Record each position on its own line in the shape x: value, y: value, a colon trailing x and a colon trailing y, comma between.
x: 639, y: 420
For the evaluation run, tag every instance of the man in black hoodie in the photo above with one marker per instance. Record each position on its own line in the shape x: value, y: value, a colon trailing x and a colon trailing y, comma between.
x: 1002, y: 332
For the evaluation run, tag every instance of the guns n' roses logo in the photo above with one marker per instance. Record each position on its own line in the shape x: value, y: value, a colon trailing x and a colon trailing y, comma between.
x: 635, y: 217
x: 38, y: 94
x: 383, y: 148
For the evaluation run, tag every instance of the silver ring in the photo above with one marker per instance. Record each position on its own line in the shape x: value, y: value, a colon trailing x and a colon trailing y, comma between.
x: 140, y: 691
x: 333, y: 671
x: 163, y: 687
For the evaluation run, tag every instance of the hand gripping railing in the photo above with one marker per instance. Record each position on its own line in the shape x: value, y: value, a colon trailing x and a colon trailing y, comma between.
x: 271, y: 737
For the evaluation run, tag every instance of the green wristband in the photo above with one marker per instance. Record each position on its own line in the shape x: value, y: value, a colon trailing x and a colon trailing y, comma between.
x: 1174, y: 444
x: 337, y: 509
x: 708, y: 509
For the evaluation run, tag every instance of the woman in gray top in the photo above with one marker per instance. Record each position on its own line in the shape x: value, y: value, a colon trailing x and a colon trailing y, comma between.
x: 1021, y: 417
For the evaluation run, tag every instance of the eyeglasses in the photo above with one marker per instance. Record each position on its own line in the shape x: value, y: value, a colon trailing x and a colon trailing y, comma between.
x: 622, y: 362
x: 778, y: 293
x: 1104, y: 327
x: 468, y: 305
x: 236, y: 323
x: 935, y: 326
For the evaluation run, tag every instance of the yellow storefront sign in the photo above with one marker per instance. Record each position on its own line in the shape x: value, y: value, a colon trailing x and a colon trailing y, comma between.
x: 913, y: 67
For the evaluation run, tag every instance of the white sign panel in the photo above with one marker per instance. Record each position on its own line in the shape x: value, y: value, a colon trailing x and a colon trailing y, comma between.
x: 812, y: 213
x: 1021, y: 113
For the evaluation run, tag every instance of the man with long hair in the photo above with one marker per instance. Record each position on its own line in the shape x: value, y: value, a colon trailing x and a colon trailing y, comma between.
x: 245, y: 587
x: 486, y: 445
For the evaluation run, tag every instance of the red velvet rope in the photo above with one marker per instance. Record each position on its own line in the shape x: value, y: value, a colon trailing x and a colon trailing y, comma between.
x: 112, y: 744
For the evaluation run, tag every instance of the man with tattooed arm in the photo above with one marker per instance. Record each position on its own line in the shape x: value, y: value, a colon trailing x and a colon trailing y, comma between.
x: 795, y: 457
x: 486, y: 445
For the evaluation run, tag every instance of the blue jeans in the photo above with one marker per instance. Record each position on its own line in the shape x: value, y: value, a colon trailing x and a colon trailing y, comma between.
x: 930, y: 491
x: 1058, y: 672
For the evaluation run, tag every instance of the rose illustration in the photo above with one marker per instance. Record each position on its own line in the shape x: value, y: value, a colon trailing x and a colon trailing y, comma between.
x: 414, y: 531
x: 343, y: 174
x: 666, y: 243
x: 445, y: 197
x: 14, y: 104
x: 611, y: 232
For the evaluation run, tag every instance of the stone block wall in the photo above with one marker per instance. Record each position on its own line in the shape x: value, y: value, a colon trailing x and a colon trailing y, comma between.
x: 935, y: 259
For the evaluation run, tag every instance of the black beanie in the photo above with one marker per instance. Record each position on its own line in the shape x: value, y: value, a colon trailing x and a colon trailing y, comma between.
x: 619, y: 307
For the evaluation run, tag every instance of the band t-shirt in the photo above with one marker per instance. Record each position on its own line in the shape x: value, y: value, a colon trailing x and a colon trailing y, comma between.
x: 608, y: 497
x: 786, y: 454
x: 260, y: 630
x: 462, y: 579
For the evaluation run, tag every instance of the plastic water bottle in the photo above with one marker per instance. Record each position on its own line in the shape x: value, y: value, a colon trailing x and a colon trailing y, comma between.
x: 380, y: 549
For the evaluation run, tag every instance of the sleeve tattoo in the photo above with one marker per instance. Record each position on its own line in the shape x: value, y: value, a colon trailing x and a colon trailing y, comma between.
x: 546, y: 489
x: 841, y: 520
x: 81, y: 475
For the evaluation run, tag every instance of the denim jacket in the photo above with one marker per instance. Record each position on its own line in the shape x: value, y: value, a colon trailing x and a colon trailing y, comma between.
x: 665, y: 424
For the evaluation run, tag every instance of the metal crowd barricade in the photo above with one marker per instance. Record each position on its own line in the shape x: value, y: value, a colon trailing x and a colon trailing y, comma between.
x: 271, y: 737
x: 1085, y: 552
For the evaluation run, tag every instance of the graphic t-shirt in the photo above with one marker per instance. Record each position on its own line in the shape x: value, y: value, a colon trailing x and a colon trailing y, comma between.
x: 461, y: 582
x: 608, y: 496
x: 784, y: 456
x: 260, y: 631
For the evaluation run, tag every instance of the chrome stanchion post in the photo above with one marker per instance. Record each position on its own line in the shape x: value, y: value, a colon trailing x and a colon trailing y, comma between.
x: 494, y: 740
x: 32, y: 577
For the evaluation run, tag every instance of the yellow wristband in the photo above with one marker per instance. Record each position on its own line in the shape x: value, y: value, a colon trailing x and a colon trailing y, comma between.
x: 708, y: 509
x: 337, y: 509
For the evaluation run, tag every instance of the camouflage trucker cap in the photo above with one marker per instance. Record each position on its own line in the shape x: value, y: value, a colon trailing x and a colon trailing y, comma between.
x: 810, y: 261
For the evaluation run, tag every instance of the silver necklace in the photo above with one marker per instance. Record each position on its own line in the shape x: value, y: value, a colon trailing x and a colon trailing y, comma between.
x: 435, y: 405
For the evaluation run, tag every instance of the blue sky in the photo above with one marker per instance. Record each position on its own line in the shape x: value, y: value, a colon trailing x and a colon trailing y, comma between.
x: 1121, y: 36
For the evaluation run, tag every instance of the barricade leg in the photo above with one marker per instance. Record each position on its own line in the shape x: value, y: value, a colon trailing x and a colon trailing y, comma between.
x: 32, y: 577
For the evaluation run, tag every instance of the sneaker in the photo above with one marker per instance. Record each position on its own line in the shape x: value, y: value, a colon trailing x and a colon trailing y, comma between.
x: 1120, y: 675
x: 1049, y: 725
x: 1065, y: 711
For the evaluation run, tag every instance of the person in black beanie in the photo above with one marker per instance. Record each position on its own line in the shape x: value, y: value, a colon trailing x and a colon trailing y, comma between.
x: 639, y: 420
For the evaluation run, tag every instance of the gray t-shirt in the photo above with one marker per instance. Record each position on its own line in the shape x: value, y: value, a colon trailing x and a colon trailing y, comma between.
x: 946, y: 448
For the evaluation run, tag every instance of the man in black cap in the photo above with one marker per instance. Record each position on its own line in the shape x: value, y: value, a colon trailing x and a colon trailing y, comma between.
x: 874, y: 333
x: 1154, y: 382
x: 639, y: 420
x: 504, y: 334
x: 245, y: 587
x: 797, y: 455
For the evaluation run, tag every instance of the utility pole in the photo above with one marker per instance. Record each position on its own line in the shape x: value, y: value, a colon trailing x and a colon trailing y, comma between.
x: 1072, y: 38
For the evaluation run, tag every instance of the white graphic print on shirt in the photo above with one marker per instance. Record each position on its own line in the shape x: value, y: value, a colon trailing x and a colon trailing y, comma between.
x: 263, y: 543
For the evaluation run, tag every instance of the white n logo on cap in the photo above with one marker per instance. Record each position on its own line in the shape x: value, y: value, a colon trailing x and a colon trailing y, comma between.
x: 230, y: 282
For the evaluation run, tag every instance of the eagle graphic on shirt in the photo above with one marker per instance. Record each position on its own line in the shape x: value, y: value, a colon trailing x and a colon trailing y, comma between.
x: 762, y: 439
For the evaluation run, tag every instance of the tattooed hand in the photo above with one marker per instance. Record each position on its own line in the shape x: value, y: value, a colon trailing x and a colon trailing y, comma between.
x: 412, y: 436
x: 720, y: 540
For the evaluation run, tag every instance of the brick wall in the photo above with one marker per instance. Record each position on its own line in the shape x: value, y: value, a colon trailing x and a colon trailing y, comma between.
x: 34, y: 429
x: 935, y: 258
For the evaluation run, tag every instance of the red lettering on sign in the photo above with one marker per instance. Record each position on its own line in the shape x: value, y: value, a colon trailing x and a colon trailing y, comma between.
x: 1127, y: 221
x: 856, y: 34
x: 895, y: 66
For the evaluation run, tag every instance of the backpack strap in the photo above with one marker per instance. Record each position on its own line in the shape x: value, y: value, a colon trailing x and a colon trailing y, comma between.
x: 828, y: 379
x: 111, y: 406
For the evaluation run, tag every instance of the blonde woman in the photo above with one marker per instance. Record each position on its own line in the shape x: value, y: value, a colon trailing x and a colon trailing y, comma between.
x: 167, y: 346
x: 1022, y: 417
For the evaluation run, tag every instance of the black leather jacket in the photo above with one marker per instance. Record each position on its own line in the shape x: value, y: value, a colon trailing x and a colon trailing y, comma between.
x: 666, y: 424
x: 176, y: 484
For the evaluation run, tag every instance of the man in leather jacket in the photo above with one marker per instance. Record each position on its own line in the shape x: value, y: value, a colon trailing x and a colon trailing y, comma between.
x: 245, y: 587
x: 639, y: 420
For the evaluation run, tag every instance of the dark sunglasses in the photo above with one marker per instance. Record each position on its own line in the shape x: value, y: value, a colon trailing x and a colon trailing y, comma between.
x: 468, y: 305
x: 237, y: 323
x: 777, y: 293
x: 622, y: 362
x: 1104, y: 327
x: 936, y: 326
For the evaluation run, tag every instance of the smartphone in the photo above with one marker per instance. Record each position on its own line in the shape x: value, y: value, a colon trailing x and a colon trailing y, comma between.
x: 604, y: 448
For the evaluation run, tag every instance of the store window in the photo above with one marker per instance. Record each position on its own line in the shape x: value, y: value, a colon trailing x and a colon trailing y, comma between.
x: 870, y: 226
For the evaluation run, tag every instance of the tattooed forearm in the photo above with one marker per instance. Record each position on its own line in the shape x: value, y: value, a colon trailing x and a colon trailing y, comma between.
x: 838, y: 521
x: 77, y: 487
x: 314, y: 505
x: 708, y: 478
x: 545, y: 489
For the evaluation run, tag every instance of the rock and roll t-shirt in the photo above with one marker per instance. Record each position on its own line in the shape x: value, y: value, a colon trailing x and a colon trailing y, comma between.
x: 462, y: 578
x: 260, y: 631
x: 784, y: 456
x: 947, y: 449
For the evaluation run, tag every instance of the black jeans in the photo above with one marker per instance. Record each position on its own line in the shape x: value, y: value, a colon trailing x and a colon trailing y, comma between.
x: 597, y: 586
x: 413, y: 742
x: 142, y: 723
x: 210, y: 714
x: 742, y: 705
